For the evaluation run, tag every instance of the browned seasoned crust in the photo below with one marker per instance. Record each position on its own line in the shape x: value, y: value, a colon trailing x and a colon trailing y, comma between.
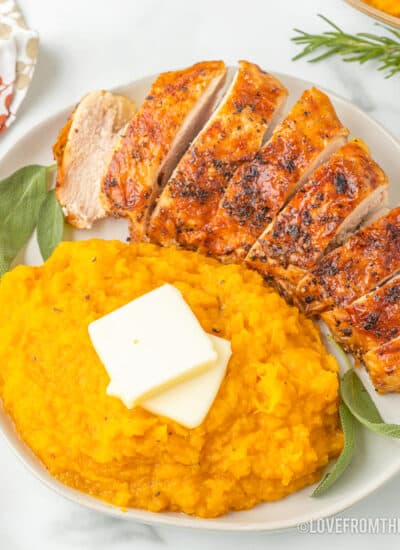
x: 130, y: 185
x: 231, y: 137
x: 368, y: 258
x: 370, y: 328
x: 310, y: 222
x: 259, y: 188
x: 61, y: 141
x: 370, y: 321
x: 383, y: 365
x: 59, y: 148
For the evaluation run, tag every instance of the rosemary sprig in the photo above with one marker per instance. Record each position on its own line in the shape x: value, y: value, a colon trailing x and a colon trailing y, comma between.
x: 360, y: 48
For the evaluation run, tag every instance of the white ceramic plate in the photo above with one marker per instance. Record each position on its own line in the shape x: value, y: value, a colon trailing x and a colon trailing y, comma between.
x: 377, y: 459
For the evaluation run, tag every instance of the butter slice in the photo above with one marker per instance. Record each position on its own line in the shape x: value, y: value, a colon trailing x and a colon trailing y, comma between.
x: 189, y: 402
x: 151, y: 344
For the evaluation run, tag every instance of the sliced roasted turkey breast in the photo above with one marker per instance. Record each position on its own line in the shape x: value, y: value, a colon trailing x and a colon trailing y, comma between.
x: 82, y: 151
x: 370, y: 321
x: 306, y: 137
x: 174, y: 111
x: 338, y: 196
x: 365, y: 261
x: 370, y: 328
x: 232, y: 136
x: 383, y: 365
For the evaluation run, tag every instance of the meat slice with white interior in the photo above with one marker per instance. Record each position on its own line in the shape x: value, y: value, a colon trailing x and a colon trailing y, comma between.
x: 366, y: 260
x: 339, y: 195
x: 82, y: 151
x: 306, y: 137
x: 232, y: 136
x: 176, y: 108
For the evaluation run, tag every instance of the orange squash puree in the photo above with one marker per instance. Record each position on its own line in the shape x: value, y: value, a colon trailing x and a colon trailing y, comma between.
x: 388, y: 6
x: 272, y: 428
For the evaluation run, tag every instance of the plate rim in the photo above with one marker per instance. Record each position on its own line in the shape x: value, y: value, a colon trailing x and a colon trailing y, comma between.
x: 222, y: 523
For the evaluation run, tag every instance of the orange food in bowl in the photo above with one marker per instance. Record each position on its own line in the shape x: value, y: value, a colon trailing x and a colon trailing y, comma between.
x: 388, y: 6
x: 272, y: 428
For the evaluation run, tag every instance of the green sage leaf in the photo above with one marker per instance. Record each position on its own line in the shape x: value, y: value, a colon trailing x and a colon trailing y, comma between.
x: 345, y: 457
x: 21, y: 196
x: 363, y: 408
x: 50, y: 227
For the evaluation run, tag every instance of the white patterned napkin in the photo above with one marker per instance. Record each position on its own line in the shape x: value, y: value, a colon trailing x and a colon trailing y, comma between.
x: 18, y: 54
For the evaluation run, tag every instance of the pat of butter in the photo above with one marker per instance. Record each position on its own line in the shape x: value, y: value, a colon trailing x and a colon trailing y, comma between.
x: 189, y: 402
x: 151, y: 344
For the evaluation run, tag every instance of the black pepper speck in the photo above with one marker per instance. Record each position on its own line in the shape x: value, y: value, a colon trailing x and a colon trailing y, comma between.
x: 340, y: 183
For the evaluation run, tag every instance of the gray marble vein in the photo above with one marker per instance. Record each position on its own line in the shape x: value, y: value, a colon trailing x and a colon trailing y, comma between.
x: 85, y: 527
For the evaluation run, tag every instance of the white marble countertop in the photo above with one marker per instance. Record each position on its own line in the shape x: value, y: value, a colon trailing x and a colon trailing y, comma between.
x: 86, y: 45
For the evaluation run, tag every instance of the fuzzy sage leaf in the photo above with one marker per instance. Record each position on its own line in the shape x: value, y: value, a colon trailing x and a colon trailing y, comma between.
x: 345, y: 457
x: 356, y: 405
x: 21, y: 196
x: 363, y: 408
x: 50, y: 227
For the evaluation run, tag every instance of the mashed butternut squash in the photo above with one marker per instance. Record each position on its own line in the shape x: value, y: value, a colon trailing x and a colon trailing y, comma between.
x: 272, y: 428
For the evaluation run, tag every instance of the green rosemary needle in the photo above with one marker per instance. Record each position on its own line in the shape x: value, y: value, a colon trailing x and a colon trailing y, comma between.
x: 360, y: 47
